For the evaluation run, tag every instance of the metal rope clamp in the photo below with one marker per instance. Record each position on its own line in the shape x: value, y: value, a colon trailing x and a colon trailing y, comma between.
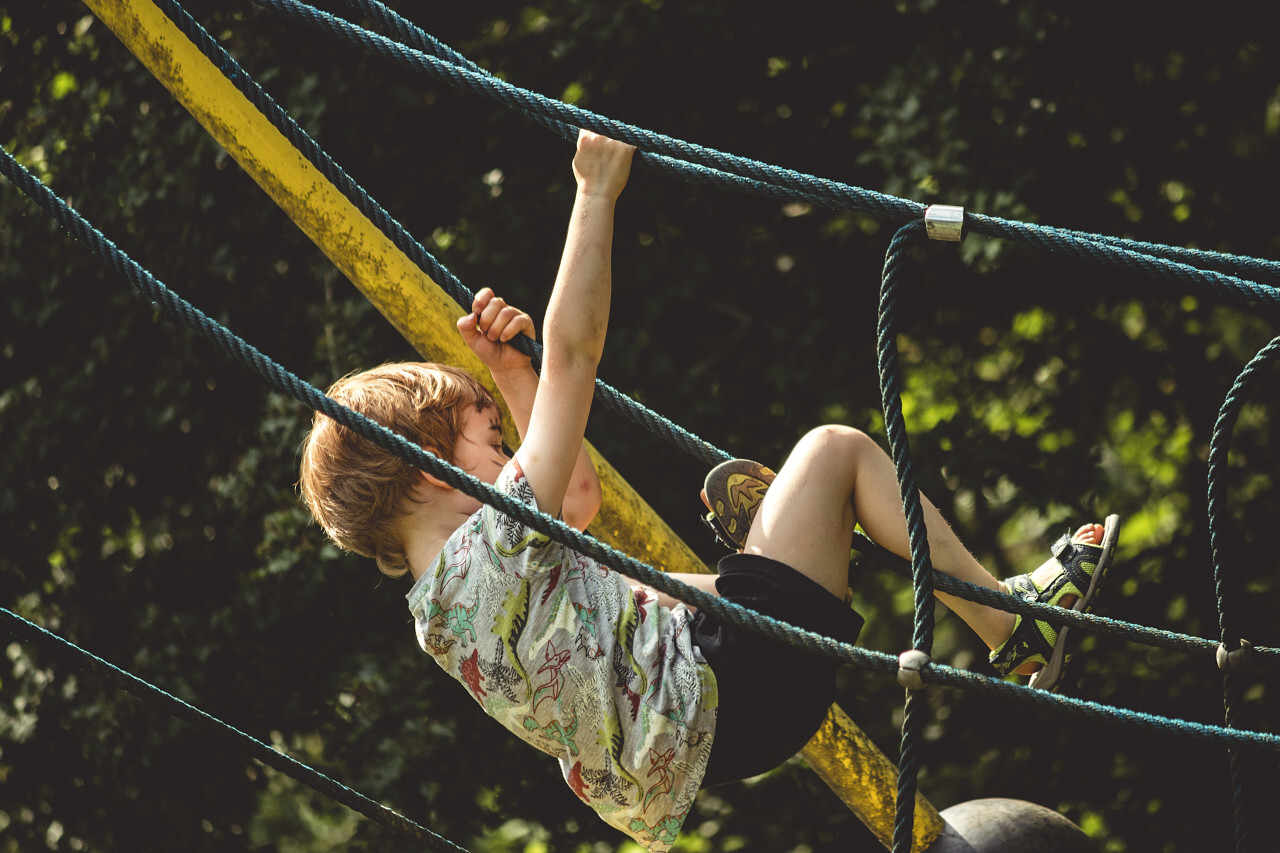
x: 910, y: 665
x: 1239, y: 661
x: 944, y: 222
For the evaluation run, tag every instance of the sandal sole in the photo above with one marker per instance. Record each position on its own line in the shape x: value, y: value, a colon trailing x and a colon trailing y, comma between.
x: 735, y: 489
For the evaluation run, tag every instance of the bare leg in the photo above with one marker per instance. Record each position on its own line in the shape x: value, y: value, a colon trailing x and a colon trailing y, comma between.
x: 838, y: 477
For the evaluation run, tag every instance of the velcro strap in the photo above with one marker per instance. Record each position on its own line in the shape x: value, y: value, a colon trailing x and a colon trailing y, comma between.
x: 1069, y: 555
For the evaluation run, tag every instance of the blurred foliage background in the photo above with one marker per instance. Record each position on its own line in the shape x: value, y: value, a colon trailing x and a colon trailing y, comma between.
x: 147, y: 484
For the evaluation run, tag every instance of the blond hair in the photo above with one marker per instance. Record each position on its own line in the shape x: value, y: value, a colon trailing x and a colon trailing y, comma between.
x: 355, y: 489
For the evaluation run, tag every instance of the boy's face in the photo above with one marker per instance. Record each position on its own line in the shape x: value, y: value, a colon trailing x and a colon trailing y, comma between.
x: 478, y: 450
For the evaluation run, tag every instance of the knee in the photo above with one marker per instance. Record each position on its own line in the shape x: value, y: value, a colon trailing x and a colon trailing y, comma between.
x: 835, y: 441
x: 837, y: 437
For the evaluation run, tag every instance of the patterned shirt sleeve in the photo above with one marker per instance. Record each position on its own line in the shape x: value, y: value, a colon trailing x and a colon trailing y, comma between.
x: 522, y: 549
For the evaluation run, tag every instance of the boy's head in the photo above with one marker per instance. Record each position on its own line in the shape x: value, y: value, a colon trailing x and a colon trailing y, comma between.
x: 355, y: 489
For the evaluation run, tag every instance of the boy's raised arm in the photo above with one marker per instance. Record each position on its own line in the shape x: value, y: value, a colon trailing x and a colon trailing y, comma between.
x: 576, y: 321
x: 488, y: 330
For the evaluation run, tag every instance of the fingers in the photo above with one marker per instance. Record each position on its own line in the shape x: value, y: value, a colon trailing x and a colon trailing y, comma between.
x: 508, y: 323
x: 493, y: 318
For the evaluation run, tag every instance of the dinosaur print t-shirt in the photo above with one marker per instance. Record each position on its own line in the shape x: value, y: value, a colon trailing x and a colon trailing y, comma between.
x: 563, y: 652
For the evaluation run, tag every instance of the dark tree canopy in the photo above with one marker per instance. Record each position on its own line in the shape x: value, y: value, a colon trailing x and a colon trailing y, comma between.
x: 147, y: 485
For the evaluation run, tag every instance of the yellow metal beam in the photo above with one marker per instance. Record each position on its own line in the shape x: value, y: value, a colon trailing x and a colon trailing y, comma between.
x: 425, y: 315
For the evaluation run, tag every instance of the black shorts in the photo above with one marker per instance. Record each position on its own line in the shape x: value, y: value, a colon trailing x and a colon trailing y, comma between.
x: 772, y: 696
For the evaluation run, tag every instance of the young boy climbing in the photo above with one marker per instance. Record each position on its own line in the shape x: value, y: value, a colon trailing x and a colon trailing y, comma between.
x: 641, y: 700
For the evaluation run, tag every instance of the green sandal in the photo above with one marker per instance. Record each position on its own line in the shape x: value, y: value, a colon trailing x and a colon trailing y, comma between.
x: 734, y: 491
x: 1080, y: 571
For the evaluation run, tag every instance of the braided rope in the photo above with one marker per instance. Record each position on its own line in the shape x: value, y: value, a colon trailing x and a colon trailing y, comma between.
x: 706, y: 165
x: 1145, y: 258
x: 1219, y: 450
x: 913, y: 723
x: 394, y: 231
x: 1229, y: 629
x: 915, y: 713
x: 1048, y: 238
x: 286, y: 382
x: 1056, y: 615
x: 1116, y: 253
x: 193, y: 716
x: 413, y: 36
x: 1219, y: 445
x: 817, y: 190
x: 751, y: 176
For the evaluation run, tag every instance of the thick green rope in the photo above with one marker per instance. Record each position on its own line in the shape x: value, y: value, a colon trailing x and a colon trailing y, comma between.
x: 286, y: 382
x: 1229, y: 628
x: 294, y: 769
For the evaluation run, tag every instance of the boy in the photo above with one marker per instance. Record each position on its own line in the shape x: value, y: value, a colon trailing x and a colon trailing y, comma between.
x: 640, y: 699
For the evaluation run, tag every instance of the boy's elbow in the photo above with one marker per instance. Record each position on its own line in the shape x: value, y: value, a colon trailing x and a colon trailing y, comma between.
x: 583, y: 355
x: 577, y: 341
x: 595, y: 500
x: 587, y: 496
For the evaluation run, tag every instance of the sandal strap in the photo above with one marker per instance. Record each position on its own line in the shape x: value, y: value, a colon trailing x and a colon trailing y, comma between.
x: 1032, y: 641
x: 1078, y: 562
x: 1024, y: 587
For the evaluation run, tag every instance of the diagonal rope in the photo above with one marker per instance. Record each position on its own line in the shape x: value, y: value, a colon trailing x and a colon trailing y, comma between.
x: 284, y: 381
x: 706, y: 165
x: 912, y: 728
x: 1110, y: 251
x: 411, y: 35
x: 1128, y: 631
x: 294, y: 769
x: 1149, y: 259
x: 402, y: 239
x: 1098, y: 247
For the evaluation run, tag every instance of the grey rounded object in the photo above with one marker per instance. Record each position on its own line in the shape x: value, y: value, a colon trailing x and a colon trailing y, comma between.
x: 1009, y: 826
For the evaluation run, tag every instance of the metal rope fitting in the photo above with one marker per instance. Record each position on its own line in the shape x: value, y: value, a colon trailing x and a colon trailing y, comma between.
x: 944, y: 222
x: 910, y: 663
x: 1239, y: 661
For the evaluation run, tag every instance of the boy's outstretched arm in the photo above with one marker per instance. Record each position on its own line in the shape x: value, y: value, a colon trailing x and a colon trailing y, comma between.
x: 576, y: 321
x: 488, y: 330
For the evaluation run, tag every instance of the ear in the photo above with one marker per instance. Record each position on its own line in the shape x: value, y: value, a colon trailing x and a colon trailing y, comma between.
x: 435, y: 481
x: 431, y: 478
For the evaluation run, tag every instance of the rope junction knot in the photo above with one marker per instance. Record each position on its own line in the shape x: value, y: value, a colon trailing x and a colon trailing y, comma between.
x: 911, y: 664
x: 1242, y: 660
x: 944, y: 222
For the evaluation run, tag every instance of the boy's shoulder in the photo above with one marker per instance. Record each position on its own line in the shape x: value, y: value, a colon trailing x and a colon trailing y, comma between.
x: 493, y: 539
x: 513, y: 483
